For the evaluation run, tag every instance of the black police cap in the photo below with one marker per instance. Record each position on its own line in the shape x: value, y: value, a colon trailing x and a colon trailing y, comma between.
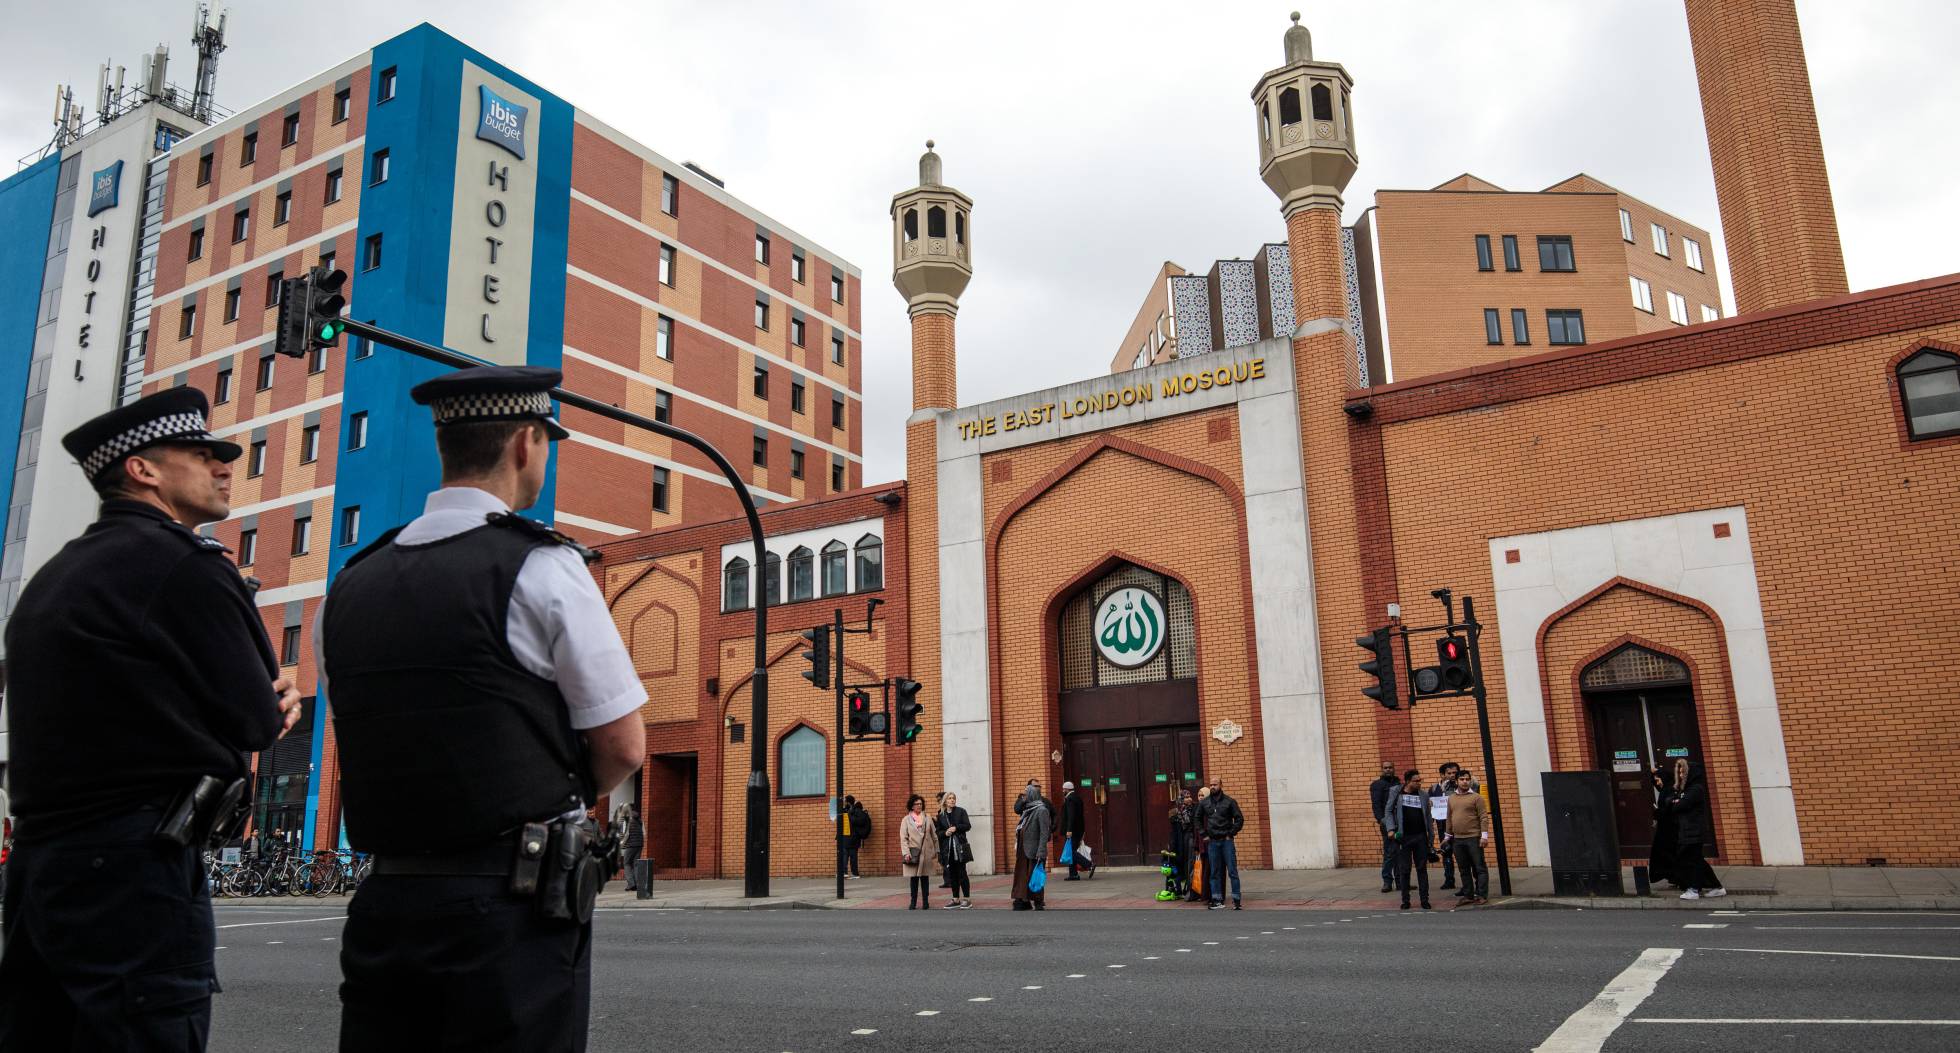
x: 176, y: 416
x: 490, y: 393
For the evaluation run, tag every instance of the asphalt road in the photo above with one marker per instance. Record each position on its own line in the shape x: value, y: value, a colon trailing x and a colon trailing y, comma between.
x: 1190, y: 980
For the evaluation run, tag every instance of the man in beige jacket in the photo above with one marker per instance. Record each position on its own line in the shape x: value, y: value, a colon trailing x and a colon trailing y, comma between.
x: 1467, y: 831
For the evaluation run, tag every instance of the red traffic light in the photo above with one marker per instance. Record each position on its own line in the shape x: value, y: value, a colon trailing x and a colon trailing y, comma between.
x: 1451, y: 650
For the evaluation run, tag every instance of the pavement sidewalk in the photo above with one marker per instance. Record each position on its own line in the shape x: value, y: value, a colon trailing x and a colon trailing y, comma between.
x: 1135, y: 888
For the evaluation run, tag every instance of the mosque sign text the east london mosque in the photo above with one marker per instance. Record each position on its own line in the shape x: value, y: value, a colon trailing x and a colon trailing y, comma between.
x: 1223, y: 375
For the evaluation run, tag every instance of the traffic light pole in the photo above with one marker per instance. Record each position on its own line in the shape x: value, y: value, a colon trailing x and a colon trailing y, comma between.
x: 1490, y: 760
x: 755, y: 860
x: 837, y: 681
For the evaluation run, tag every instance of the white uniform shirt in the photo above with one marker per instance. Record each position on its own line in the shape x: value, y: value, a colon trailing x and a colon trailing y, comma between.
x: 559, y: 627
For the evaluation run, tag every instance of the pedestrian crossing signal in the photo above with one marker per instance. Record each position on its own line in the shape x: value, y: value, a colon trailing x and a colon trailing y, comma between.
x: 1453, y: 663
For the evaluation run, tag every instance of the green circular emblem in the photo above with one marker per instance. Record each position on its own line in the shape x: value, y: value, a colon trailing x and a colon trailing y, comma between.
x: 1130, y: 627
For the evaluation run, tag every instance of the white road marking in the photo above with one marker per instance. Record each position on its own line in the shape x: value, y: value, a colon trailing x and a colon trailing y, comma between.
x: 865, y: 1031
x: 927, y: 1012
x: 326, y: 939
x: 1782, y: 1020
x: 1864, y: 928
x: 1842, y: 913
x: 1716, y: 925
x: 1241, y: 937
x: 218, y: 948
x: 1288, y: 928
x: 1267, y: 932
x: 1076, y: 976
x: 979, y: 999
x: 1150, y: 957
x: 1839, y: 954
x: 1184, y: 950
x: 1032, y: 987
x: 1587, y: 1030
x: 1119, y: 967
x: 1211, y: 943
x: 274, y: 943
x: 294, y: 921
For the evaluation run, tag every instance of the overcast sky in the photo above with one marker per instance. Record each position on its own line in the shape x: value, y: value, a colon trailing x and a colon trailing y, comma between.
x: 1099, y: 141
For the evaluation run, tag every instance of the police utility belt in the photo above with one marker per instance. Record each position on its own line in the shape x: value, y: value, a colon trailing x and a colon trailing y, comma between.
x: 560, y: 865
x: 207, y: 814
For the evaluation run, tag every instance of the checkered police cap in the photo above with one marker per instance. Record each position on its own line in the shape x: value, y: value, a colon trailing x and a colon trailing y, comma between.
x: 177, y: 415
x: 492, y: 393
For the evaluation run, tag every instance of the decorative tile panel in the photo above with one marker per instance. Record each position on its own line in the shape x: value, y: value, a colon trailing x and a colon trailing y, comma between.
x: 1237, y: 303
x: 1191, y: 314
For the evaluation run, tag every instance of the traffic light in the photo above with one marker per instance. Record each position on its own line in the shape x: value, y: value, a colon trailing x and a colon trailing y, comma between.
x: 289, y: 338
x: 818, y: 656
x: 323, y: 306
x: 1453, y: 663
x: 909, y: 708
x: 864, y: 723
x: 1380, y: 666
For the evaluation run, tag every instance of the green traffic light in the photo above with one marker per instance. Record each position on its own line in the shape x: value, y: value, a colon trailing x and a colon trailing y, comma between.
x: 330, y: 331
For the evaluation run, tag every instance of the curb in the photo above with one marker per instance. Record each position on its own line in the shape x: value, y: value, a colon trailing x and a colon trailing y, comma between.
x: 1731, y: 902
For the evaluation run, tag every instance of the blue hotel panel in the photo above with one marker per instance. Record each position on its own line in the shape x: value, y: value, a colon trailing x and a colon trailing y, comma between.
x: 26, y: 220
x: 389, y: 478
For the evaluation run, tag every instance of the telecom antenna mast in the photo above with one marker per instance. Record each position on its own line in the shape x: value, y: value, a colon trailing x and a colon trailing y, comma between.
x: 209, y: 41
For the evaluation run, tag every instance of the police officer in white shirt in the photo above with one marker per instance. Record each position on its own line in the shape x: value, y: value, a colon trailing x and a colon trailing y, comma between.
x: 470, y: 656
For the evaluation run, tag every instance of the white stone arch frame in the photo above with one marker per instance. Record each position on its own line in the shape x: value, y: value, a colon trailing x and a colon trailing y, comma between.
x: 1704, y: 556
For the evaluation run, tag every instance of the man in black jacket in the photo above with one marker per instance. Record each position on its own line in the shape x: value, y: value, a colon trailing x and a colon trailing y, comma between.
x: 1072, y: 828
x: 137, y: 667
x: 1222, y: 820
x: 1378, y: 793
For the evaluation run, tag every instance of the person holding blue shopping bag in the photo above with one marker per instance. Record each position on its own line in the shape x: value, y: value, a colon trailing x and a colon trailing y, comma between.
x: 1031, y: 834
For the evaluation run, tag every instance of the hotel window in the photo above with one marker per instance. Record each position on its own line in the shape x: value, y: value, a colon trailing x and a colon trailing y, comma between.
x: 289, y: 130
x: 836, y: 477
x: 837, y: 349
x: 796, y: 266
x: 343, y: 104
x: 1511, y: 253
x: 1929, y: 383
x: 1626, y: 226
x: 1660, y: 238
x: 265, y: 372
x: 670, y: 195
x: 241, y: 225
x: 667, y: 266
x: 663, y: 407
x: 870, y: 563
x: 232, y: 296
x: 357, y: 430
x: 221, y: 388
x: 350, y: 524
x: 762, y: 249
x: 796, y: 394
x: 282, y: 208
x: 302, y: 535
x: 1643, y: 293
x: 248, y: 547
x: 1710, y: 314
x: 384, y: 86
x: 1565, y: 327
x: 371, y: 252
x: 759, y: 451
x: 1691, y: 251
x: 378, y: 168
x: 326, y: 260
x: 309, y: 444
x: 761, y: 382
x: 196, y: 243
x: 1483, y: 252
x: 255, y: 462
x: 1555, y: 254
x: 289, y: 646
x: 316, y: 360
x: 1520, y: 326
x: 836, y: 410
x: 762, y: 314
x: 802, y: 575
x: 248, y: 149
x: 275, y: 286
x: 796, y: 331
x: 660, y: 482
x: 836, y: 288
x: 187, y: 322
x: 801, y: 762
x: 835, y: 563
x: 795, y: 463
x: 663, y: 337
x: 1677, y: 308
x: 334, y: 181
x: 1493, y: 329
x: 735, y: 585
x: 772, y: 579
x: 204, y: 170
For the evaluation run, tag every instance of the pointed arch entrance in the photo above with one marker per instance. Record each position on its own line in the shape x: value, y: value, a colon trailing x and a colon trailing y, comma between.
x: 1641, y: 704
x: 1128, y: 707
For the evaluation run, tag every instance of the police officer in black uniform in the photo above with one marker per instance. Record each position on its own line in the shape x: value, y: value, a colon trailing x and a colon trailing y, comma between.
x: 139, y: 678
x: 469, y: 656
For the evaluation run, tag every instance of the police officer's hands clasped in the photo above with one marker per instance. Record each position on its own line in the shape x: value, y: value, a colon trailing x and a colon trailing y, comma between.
x: 288, y: 704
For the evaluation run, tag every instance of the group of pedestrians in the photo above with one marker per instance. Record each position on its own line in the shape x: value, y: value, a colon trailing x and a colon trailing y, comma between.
x: 1446, y: 821
x: 933, y: 845
x: 1205, y: 827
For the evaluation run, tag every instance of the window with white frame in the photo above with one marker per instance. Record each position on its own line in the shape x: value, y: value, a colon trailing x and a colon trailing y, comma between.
x: 1691, y: 251
x: 1660, y: 238
x: 835, y: 569
x: 1710, y: 314
x: 735, y: 585
x: 1677, y: 308
x: 802, y: 575
x: 870, y: 563
x: 1626, y: 225
x: 1643, y: 293
x: 800, y: 762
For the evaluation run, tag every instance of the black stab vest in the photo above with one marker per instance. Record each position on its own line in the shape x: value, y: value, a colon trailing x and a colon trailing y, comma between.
x: 429, y: 701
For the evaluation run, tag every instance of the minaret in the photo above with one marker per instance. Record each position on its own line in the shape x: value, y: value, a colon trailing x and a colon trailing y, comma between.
x: 932, y: 242
x: 1306, y: 155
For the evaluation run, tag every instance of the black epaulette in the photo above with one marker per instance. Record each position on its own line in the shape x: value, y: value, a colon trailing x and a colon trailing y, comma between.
x: 207, y: 544
x: 513, y: 521
x: 379, y: 544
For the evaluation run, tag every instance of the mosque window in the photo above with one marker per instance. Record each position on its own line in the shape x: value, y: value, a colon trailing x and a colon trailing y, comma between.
x: 735, y: 585
x: 802, y: 575
x: 836, y: 581
x: 870, y: 563
x: 1929, y: 383
x: 935, y: 222
x: 911, y: 224
x: 772, y: 579
x: 1323, y: 103
x: 1289, y: 106
x: 800, y: 762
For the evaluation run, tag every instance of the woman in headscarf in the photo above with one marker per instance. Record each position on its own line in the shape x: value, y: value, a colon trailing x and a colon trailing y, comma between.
x: 1692, y: 830
x: 1031, y: 833
x: 1660, y: 859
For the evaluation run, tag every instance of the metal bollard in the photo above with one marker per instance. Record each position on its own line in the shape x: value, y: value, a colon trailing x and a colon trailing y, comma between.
x: 1640, y: 885
x: 643, y: 879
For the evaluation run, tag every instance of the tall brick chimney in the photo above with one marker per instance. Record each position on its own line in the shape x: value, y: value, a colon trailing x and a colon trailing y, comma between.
x: 1770, y: 183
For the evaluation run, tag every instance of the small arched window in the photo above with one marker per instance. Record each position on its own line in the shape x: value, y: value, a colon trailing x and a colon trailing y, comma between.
x: 735, y: 585
x: 799, y: 762
x: 870, y: 563
x: 1289, y: 106
x: 959, y: 226
x: 835, y: 581
x: 1929, y: 382
x: 802, y: 575
x: 1323, y: 103
x: 935, y: 222
x: 911, y: 224
x: 772, y: 579
x: 1266, y: 121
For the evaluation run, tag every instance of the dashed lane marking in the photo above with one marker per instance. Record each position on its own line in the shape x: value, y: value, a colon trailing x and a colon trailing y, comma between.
x: 1184, y: 950
x: 291, y: 921
x: 1784, y: 1020
x: 1150, y: 957
x: 865, y: 1031
x: 1587, y: 1030
x: 1838, y: 954
x: 274, y: 943
x: 982, y: 999
x: 1032, y: 987
x: 1864, y: 928
x: 1706, y: 925
x: 927, y: 1012
x: 1076, y: 976
x: 1119, y: 967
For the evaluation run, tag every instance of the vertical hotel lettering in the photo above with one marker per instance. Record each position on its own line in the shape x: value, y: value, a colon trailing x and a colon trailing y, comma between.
x: 488, y: 306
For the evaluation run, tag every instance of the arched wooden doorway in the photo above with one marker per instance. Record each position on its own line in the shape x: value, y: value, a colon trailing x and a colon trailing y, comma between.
x: 1129, y: 708
x: 1642, y: 706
